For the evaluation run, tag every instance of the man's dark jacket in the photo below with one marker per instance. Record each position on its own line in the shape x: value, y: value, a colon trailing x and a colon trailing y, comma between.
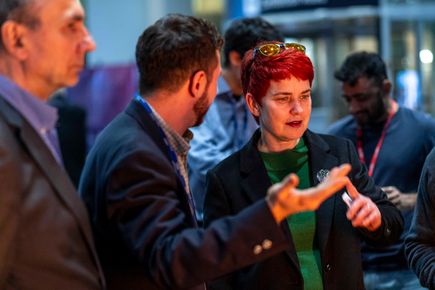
x: 146, y: 235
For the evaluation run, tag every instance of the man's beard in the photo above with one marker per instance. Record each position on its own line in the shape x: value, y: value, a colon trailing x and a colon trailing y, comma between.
x: 377, y: 115
x: 201, y: 107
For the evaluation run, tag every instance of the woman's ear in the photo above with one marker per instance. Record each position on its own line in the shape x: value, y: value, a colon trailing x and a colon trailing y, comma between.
x: 252, y: 105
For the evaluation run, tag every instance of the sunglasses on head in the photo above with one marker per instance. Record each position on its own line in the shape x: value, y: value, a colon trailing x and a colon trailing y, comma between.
x: 271, y: 49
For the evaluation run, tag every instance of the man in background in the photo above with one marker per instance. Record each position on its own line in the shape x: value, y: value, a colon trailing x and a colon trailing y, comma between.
x: 228, y: 124
x: 393, y: 142
x: 45, y: 237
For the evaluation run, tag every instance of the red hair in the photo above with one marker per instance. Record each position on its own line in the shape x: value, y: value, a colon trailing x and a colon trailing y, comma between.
x: 259, y: 71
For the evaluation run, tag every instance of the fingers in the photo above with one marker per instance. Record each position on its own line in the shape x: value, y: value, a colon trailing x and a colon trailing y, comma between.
x: 286, y: 186
x: 337, y: 179
x: 341, y: 170
x: 330, y: 187
x: 290, y: 181
x: 279, y: 197
x: 389, y: 189
x: 394, y: 198
x: 285, y: 199
x: 373, y: 220
x: 351, y: 190
x: 393, y: 194
x: 364, y: 213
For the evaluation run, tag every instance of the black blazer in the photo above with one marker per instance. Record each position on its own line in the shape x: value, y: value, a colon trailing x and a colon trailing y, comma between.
x: 146, y: 235
x: 242, y: 179
x: 45, y: 236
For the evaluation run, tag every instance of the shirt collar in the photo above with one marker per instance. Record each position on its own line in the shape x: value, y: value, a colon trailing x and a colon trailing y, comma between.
x: 39, y: 114
x: 180, y: 144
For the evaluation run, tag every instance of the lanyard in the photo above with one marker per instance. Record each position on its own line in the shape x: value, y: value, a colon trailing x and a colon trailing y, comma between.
x: 359, y: 144
x: 171, y: 152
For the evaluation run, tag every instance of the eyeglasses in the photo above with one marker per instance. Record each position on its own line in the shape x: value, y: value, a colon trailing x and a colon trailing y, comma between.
x: 271, y: 49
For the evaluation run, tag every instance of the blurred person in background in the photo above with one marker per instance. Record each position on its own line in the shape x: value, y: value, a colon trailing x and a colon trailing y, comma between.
x: 228, y: 124
x: 393, y: 142
x: 45, y: 236
x: 323, y: 245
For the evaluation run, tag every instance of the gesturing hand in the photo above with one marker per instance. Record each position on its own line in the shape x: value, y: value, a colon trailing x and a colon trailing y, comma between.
x: 363, y: 212
x: 285, y: 199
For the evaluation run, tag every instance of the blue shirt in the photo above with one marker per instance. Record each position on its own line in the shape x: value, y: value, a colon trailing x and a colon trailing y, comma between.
x: 41, y: 116
x: 408, y: 140
x: 227, y: 126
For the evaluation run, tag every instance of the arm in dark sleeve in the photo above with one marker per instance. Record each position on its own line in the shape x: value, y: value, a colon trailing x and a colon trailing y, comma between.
x: 420, y: 241
x: 392, y: 220
x: 216, y: 206
x: 146, y: 208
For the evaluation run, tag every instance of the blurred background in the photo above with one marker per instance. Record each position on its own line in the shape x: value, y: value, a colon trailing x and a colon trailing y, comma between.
x: 401, y: 31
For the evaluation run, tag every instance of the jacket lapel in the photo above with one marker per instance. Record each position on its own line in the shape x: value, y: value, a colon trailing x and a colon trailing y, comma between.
x: 54, y: 173
x: 135, y: 110
x: 320, y: 159
x: 256, y: 182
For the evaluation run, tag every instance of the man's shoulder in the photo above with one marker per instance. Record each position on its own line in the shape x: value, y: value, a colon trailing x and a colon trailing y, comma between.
x: 417, y: 117
x: 123, y: 136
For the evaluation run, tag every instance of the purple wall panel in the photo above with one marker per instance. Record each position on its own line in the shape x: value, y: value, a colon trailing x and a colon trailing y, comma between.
x: 104, y: 92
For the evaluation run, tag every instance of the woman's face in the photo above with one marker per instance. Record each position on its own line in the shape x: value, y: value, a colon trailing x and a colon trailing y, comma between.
x: 284, y: 113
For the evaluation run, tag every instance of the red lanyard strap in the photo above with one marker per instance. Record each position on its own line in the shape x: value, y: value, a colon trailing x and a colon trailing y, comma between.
x: 359, y: 144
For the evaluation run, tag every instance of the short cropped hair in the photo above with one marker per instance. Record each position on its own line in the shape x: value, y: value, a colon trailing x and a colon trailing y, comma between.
x: 172, y: 49
x: 244, y: 34
x: 20, y: 11
x: 362, y: 64
x: 259, y: 71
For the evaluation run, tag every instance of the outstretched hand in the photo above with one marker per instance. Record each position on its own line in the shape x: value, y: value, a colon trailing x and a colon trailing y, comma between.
x: 285, y: 199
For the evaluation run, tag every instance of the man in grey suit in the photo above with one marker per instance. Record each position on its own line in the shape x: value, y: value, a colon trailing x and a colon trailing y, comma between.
x: 45, y: 237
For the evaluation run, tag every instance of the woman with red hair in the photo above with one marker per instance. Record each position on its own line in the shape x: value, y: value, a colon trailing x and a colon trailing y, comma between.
x: 323, y: 250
